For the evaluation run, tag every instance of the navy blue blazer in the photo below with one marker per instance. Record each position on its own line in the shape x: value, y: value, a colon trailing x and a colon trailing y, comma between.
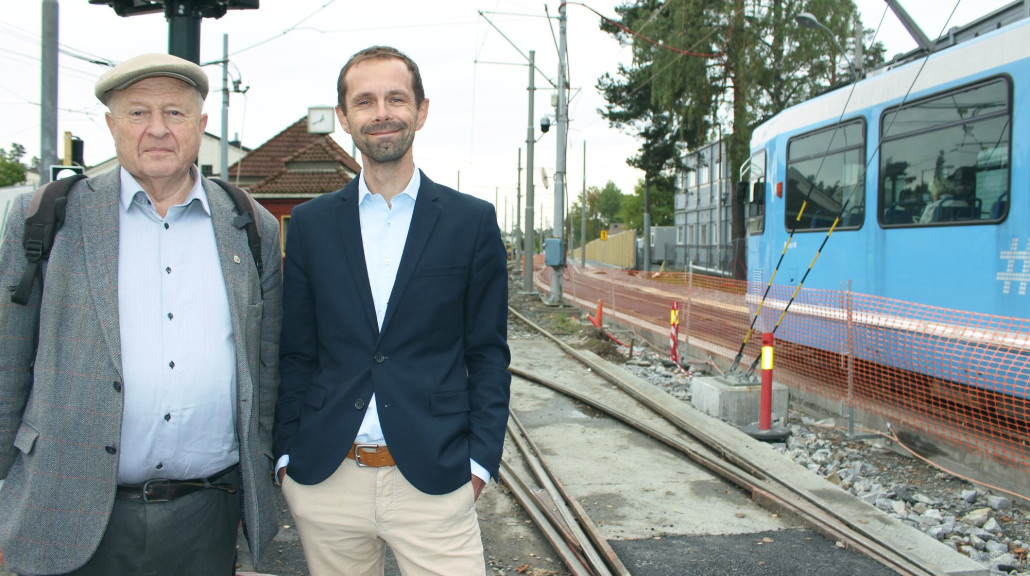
x: 439, y: 366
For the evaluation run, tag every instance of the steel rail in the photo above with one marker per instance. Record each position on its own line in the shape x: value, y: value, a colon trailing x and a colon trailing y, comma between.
x: 766, y: 490
x: 595, y: 546
x: 572, y: 560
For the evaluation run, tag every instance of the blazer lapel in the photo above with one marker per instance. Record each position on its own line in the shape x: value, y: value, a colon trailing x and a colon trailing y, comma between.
x: 349, y: 224
x: 423, y: 219
x: 100, y: 225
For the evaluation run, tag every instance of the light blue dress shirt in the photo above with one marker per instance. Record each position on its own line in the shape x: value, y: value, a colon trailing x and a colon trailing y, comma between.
x: 178, y: 354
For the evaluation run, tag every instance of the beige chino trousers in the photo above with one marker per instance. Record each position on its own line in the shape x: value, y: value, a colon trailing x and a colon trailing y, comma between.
x: 346, y: 521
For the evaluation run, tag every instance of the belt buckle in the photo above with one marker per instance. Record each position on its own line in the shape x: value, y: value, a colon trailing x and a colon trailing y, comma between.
x: 357, y: 453
x: 146, y: 489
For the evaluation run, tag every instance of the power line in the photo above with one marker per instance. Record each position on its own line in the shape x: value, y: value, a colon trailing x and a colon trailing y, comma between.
x: 284, y: 32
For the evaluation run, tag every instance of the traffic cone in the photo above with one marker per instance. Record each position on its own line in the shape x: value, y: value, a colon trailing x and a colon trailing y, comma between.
x: 596, y: 319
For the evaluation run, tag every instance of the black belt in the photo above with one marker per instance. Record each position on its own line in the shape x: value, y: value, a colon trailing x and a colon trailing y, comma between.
x: 161, y: 490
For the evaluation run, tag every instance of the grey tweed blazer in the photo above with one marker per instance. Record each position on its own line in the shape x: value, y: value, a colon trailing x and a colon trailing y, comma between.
x: 61, y: 401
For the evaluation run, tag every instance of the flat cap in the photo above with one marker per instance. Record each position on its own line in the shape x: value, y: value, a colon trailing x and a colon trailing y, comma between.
x: 148, y: 66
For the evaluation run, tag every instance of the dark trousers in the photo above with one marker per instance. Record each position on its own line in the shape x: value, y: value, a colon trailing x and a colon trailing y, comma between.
x: 190, y: 536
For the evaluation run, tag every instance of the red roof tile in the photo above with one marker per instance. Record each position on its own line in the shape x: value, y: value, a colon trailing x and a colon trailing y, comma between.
x: 305, y: 184
x: 294, y: 145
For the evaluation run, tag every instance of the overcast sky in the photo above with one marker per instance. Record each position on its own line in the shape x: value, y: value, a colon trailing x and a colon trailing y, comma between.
x: 289, y: 55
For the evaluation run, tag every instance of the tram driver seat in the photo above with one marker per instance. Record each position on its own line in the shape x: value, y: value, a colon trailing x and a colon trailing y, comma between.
x: 1000, y: 207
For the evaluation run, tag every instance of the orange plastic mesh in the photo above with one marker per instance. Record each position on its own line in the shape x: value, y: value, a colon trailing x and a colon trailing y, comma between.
x: 957, y: 377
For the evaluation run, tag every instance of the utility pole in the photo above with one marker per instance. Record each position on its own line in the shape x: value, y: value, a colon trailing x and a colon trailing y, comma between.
x: 518, y: 205
x: 583, y: 213
x: 528, y: 250
x: 48, y: 92
x: 558, y: 226
x: 529, y: 243
x: 183, y: 30
x: 224, y: 144
x: 647, y: 226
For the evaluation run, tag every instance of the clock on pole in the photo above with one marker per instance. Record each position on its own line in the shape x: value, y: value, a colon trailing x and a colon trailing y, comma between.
x: 321, y: 119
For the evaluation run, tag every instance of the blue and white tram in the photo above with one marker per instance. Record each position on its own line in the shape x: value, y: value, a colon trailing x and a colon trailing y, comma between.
x: 927, y: 166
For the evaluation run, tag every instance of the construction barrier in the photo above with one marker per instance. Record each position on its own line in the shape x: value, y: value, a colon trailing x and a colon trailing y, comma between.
x: 957, y: 377
x: 617, y: 250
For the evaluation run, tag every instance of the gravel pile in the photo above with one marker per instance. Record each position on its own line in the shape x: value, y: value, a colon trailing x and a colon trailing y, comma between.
x: 992, y: 529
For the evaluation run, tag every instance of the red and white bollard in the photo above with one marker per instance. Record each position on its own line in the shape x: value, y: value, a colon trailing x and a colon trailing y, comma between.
x: 674, y: 332
x: 765, y: 430
x: 765, y: 403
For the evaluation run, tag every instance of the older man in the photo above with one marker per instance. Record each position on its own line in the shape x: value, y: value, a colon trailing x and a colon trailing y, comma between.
x: 138, y: 385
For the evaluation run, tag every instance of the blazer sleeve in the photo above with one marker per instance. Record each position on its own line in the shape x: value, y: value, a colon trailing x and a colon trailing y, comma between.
x: 486, y: 343
x: 271, y: 322
x: 19, y: 326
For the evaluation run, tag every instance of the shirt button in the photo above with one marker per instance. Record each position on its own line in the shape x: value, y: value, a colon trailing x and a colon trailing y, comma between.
x: 168, y: 270
x: 171, y: 364
x: 359, y: 404
x: 159, y: 466
x: 170, y: 316
x: 166, y: 225
x: 111, y: 449
x: 379, y: 358
x: 168, y: 417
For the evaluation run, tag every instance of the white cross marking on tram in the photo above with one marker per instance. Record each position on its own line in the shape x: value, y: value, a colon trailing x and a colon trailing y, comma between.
x: 1010, y: 275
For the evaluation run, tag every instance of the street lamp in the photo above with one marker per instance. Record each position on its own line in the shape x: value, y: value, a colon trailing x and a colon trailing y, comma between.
x: 809, y: 21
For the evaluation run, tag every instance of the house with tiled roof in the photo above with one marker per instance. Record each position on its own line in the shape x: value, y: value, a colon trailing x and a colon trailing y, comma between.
x: 292, y: 167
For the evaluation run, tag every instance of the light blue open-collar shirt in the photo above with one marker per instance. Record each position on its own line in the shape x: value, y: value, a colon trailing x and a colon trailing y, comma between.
x: 178, y: 355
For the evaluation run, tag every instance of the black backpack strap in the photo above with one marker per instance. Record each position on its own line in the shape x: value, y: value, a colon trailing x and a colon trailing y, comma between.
x: 45, y: 217
x: 247, y: 219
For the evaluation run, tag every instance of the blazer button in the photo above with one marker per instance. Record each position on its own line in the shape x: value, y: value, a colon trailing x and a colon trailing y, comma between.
x: 359, y: 404
x: 379, y: 358
x: 111, y: 449
x: 117, y: 386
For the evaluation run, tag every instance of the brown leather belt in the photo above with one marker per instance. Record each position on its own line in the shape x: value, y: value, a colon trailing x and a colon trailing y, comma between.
x: 161, y: 490
x: 371, y: 455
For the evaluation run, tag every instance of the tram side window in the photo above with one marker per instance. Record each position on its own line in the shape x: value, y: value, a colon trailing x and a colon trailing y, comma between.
x: 945, y: 160
x: 826, y: 178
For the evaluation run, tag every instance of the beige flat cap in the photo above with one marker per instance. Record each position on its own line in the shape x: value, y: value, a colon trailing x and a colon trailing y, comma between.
x: 148, y: 66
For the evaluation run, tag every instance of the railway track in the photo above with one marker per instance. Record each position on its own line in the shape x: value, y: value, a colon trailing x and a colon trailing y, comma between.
x: 550, y: 485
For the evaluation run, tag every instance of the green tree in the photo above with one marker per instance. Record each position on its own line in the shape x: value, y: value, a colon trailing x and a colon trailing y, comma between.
x: 12, y: 171
x: 602, y: 210
x: 609, y: 201
x: 661, y: 199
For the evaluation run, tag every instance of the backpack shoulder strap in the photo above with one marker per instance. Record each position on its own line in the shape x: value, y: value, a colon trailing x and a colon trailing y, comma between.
x: 247, y: 219
x: 45, y: 217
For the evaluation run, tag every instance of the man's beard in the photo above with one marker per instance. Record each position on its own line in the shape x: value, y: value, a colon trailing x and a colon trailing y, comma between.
x: 385, y: 152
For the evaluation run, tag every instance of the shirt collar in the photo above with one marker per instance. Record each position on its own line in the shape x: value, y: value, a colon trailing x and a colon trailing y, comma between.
x: 411, y: 190
x: 130, y: 188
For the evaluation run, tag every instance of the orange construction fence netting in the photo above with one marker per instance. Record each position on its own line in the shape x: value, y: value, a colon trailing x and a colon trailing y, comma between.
x: 956, y: 377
